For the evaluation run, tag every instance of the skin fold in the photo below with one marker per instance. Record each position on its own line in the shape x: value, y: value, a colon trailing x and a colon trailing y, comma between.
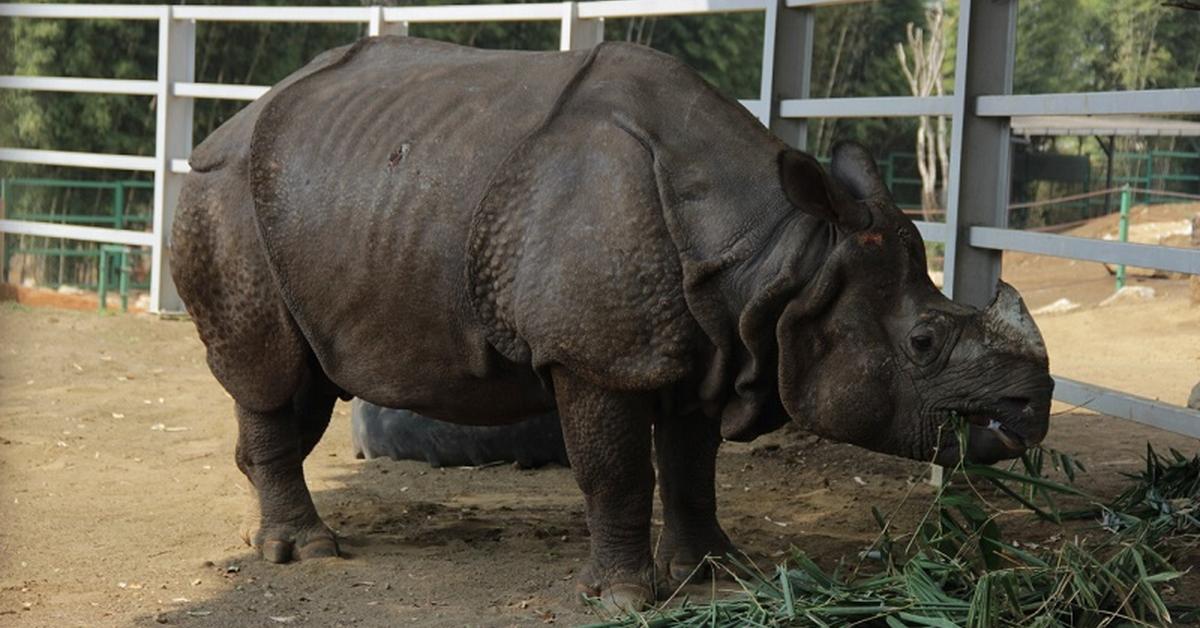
x: 482, y: 236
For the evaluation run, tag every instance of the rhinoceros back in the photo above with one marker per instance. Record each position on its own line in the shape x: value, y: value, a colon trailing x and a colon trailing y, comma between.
x: 365, y: 174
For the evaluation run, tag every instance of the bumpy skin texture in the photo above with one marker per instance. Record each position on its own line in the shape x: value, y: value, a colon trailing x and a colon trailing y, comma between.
x: 482, y: 236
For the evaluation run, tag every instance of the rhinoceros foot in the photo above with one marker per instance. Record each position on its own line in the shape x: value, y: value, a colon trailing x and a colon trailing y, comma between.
x: 282, y: 544
x: 618, y: 593
x: 686, y: 563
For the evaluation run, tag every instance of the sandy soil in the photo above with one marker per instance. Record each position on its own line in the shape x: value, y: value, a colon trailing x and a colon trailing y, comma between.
x: 120, y: 504
x: 1150, y: 348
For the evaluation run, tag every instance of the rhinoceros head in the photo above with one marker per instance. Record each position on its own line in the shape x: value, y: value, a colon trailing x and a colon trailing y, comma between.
x: 872, y: 353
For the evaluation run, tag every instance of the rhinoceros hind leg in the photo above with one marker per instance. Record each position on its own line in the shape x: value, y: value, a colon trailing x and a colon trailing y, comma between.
x: 607, y: 436
x: 271, y: 449
x: 686, y: 450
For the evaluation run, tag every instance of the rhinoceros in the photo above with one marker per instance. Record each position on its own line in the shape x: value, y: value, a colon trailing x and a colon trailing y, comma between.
x: 481, y: 236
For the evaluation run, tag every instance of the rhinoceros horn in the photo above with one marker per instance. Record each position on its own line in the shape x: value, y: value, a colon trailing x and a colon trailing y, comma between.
x: 854, y: 167
x: 1007, y: 324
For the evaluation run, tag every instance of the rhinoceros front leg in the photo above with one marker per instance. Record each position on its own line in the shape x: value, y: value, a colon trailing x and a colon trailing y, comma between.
x: 271, y: 449
x: 608, y: 442
x: 686, y: 449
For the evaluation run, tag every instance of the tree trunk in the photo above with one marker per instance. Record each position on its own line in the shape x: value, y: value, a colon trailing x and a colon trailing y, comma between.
x: 833, y: 71
x: 924, y: 78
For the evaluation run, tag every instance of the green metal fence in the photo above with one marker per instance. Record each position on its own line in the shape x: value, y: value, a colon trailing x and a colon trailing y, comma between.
x: 25, y: 199
x: 1149, y: 172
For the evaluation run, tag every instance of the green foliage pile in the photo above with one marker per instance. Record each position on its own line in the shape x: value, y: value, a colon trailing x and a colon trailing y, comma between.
x: 957, y: 568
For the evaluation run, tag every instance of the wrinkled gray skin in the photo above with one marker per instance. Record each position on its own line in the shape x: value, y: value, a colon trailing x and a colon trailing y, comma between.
x: 482, y: 236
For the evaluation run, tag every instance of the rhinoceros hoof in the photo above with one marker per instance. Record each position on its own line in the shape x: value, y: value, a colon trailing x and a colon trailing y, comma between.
x: 681, y: 571
x: 688, y: 562
x: 621, y: 598
x: 619, y: 595
x: 283, y: 544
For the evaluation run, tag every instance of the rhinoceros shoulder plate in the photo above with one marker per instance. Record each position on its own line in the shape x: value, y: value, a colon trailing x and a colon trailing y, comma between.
x: 569, y: 258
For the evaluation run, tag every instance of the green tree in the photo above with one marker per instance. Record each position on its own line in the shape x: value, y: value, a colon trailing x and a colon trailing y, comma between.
x: 854, y: 55
x: 1054, y: 53
x: 725, y: 49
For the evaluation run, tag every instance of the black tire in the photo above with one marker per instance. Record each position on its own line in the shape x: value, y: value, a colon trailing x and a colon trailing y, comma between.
x: 405, y: 435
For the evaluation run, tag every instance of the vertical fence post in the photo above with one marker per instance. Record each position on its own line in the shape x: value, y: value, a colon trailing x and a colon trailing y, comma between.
x: 376, y: 26
x: 579, y: 34
x: 979, y: 147
x: 980, y: 164
x: 123, y: 284
x: 1124, y: 230
x: 787, y: 67
x: 1149, y: 177
x: 102, y: 280
x: 119, y: 205
x: 3, y: 236
x: 173, y: 140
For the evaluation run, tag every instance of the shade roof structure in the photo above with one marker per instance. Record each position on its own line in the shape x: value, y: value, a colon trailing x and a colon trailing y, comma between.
x: 1104, y: 125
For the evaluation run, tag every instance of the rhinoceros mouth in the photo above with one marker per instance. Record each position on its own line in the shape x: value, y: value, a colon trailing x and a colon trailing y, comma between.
x: 996, y: 431
x: 992, y: 422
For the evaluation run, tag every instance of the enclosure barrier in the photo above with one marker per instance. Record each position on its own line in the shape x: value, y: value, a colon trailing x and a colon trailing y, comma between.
x: 980, y: 107
x: 117, y: 217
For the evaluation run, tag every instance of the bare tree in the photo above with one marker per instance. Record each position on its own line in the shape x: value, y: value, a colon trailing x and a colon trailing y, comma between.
x: 820, y: 146
x: 924, y: 76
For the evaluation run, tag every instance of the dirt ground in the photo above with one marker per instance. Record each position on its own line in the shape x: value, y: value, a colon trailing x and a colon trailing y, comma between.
x: 120, y: 504
x: 1150, y: 348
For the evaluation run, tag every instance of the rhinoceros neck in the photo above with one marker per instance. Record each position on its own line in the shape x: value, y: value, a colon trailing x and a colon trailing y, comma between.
x: 716, y: 166
x: 718, y: 171
x: 744, y: 250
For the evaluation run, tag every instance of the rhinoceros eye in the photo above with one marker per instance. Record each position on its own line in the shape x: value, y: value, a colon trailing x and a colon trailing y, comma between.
x: 924, y: 343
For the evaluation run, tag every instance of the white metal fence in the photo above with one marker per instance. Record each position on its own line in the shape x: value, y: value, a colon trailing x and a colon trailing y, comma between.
x: 980, y: 107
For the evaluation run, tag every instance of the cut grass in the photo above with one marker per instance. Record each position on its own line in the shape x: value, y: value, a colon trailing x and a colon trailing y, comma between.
x: 956, y: 569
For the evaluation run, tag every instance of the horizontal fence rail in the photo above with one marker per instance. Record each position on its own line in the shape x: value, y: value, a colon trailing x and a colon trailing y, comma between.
x: 534, y: 12
x: 219, y: 91
x: 83, y: 11
x: 77, y: 159
x: 931, y: 231
x: 651, y: 8
x: 1144, y: 255
x: 877, y: 107
x: 1129, y: 407
x: 79, y: 85
x: 1143, y: 102
x: 77, y: 232
x: 984, y: 57
x: 325, y: 15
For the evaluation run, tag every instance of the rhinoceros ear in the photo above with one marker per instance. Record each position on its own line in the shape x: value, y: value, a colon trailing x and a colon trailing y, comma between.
x: 811, y: 190
x: 854, y: 167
